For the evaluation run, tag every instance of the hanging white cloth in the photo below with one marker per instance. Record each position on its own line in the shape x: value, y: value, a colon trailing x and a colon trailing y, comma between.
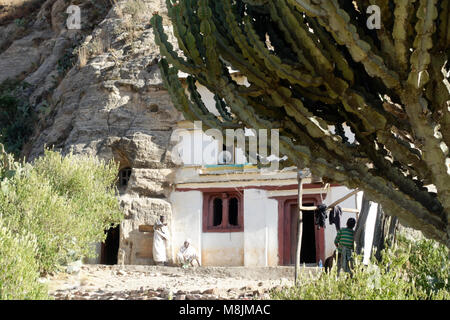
x: 161, y: 235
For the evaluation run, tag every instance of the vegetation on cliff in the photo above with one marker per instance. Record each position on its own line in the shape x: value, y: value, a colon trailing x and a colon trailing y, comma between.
x: 16, y: 116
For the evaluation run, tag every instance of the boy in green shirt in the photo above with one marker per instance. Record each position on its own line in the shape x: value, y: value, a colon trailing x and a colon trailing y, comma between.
x: 344, y: 243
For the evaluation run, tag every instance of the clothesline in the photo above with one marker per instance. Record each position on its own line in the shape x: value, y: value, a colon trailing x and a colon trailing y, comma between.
x: 335, y: 203
x: 300, y: 176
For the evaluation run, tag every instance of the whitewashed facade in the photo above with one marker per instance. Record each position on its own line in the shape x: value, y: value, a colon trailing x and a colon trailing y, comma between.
x: 263, y: 195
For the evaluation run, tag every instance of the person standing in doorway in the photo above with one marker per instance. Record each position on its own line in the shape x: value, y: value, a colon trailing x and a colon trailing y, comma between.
x: 160, y: 239
x: 344, y: 243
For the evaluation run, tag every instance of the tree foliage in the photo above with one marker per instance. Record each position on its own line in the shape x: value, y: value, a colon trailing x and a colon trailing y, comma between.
x: 16, y: 116
x: 20, y: 270
x: 313, y: 66
x: 408, y: 271
x: 65, y: 203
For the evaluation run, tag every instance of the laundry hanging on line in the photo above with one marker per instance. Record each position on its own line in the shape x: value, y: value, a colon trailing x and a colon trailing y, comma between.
x: 335, y: 217
x: 320, y: 215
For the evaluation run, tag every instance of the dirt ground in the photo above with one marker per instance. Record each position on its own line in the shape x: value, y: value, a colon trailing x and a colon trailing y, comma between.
x: 103, y: 282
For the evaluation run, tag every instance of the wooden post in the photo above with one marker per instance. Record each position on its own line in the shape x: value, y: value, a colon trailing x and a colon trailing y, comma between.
x: 299, y: 226
x: 343, y: 198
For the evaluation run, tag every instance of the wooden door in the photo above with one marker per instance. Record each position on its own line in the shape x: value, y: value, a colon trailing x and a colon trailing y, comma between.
x: 313, y: 238
x: 293, y: 233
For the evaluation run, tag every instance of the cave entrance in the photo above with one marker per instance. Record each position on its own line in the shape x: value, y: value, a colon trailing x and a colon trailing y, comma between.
x: 110, y: 248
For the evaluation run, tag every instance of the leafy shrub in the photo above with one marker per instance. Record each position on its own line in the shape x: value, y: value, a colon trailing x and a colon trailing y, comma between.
x: 8, y: 165
x: 402, y: 274
x: 16, y: 116
x: 67, y: 61
x: 429, y: 265
x: 65, y: 202
x: 20, y: 22
x: 19, y: 268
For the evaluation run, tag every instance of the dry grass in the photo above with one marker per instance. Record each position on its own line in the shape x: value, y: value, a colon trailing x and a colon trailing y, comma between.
x: 136, y: 8
x: 130, y: 29
x: 83, y: 56
x: 135, y: 11
x: 117, y: 8
x: 100, y: 44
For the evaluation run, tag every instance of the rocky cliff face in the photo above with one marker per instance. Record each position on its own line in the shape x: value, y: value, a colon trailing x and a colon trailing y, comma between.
x: 98, y: 90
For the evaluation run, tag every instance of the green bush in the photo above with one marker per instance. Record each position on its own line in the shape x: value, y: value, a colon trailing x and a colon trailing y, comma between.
x: 410, y: 271
x: 67, y: 61
x: 16, y: 116
x: 19, y: 268
x: 429, y: 265
x: 65, y: 202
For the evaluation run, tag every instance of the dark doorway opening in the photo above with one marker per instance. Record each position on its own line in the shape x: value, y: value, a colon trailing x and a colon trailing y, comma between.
x: 110, y: 248
x: 308, y: 249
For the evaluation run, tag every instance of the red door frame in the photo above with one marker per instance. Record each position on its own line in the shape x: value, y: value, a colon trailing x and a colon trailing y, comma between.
x: 284, y: 230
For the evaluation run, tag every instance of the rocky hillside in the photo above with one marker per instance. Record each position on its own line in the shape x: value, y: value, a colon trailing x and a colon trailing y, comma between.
x: 96, y: 90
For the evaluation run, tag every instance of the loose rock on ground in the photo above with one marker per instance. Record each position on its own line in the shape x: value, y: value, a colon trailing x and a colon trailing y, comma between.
x: 102, y: 282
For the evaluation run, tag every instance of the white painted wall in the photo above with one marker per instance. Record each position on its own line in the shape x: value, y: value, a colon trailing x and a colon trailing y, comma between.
x: 368, y: 235
x: 186, y: 219
x: 214, y: 248
x: 260, y: 229
x: 200, y: 149
x: 330, y: 231
x: 223, y: 248
x: 370, y: 227
x: 258, y: 244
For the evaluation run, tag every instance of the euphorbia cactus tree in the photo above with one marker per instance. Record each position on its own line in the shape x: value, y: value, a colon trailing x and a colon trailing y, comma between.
x: 315, y: 65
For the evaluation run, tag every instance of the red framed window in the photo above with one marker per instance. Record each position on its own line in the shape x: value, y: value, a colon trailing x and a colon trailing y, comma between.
x: 223, y: 212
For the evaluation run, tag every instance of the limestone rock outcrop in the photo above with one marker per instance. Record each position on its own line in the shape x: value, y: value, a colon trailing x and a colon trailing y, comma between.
x: 98, y: 91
